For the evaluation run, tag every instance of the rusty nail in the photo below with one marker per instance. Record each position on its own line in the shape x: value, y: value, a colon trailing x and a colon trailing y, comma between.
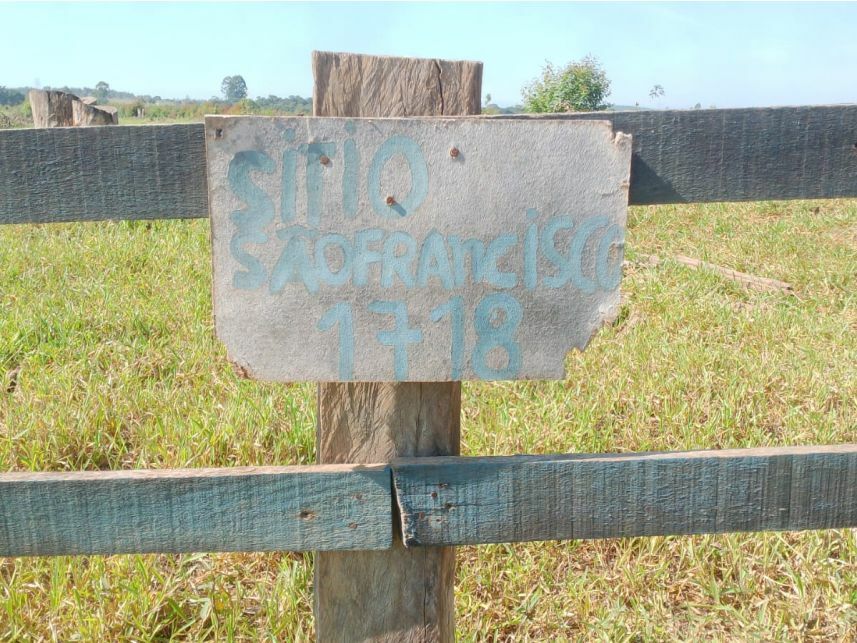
x: 454, y: 152
x: 434, y: 494
x: 324, y: 160
x: 390, y: 200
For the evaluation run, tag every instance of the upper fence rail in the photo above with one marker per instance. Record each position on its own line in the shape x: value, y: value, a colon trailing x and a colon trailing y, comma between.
x: 158, y: 171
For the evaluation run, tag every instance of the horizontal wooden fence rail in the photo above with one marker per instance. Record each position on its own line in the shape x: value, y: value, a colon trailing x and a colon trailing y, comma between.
x: 158, y: 171
x: 759, y: 154
x: 441, y: 501
x: 236, y: 509
x: 455, y: 501
x: 100, y: 173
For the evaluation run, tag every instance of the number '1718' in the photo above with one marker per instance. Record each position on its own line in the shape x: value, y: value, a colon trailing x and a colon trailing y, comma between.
x: 495, y: 322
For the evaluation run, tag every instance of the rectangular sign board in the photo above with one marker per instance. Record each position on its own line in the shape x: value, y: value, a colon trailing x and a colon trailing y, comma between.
x: 422, y: 249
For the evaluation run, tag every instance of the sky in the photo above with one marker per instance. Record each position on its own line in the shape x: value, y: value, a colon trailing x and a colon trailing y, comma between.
x: 714, y: 54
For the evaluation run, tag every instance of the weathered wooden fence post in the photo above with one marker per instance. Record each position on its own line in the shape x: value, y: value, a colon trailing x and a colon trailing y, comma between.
x: 400, y: 594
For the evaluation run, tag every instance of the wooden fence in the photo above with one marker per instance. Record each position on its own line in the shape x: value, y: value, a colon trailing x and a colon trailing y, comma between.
x: 694, y: 156
x: 441, y: 501
x: 119, y: 172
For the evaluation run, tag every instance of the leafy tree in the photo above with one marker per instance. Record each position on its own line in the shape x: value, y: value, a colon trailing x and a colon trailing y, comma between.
x: 234, y: 88
x: 290, y: 105
x: 656, y: 92
x: 580, y: 86
x: 102, y: 90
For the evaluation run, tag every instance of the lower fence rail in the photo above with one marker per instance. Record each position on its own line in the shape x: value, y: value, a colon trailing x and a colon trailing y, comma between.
x: 441, y: 501
x: 191, y: 510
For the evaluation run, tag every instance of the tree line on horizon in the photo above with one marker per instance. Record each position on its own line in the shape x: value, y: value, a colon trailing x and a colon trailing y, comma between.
x: 156, y: 108
x: 580, y: 85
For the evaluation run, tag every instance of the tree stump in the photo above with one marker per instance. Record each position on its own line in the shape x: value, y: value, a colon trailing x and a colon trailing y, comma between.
x: 84, y: 115
x: 61, y: 109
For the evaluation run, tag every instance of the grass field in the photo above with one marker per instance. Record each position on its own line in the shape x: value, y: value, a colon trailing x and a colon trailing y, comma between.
x: 108, y: 360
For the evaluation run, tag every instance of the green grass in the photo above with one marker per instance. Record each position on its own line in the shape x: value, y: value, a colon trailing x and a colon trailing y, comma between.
x: 16, y: 116
x: 108, y: 360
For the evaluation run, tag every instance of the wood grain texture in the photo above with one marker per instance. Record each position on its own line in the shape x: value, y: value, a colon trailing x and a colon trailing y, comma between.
x: 88, y: 115
x: 358, y: 85
x: 98, y: 173
x: 441, y: 501
x: 52, y: 108
x: 398, y: 594
x: 171, y: 511
x: 774, y: 153
x: 158, y: 171
x: 451, y: 501
x: 61, y: 109
x: 401, y: 594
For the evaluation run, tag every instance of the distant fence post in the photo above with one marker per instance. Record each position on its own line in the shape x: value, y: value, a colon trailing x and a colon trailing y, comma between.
x: 400, y: 594
x: 61, y: 109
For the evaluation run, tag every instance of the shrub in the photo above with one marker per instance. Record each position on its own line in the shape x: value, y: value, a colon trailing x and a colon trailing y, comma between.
x: 580, y: 86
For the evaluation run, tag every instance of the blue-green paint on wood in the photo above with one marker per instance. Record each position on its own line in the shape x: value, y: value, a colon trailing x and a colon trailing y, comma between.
x: 288, y: 187
x: 315, y: 179
x: 400, y: 336
x: 454, y: 501
x: 341, y: 315
x: 404, y: 204
x: 266, y: 509
x: 443, y: 501
x: 250, y: 221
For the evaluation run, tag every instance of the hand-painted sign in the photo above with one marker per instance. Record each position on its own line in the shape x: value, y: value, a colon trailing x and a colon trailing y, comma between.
x: 413, y: 249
